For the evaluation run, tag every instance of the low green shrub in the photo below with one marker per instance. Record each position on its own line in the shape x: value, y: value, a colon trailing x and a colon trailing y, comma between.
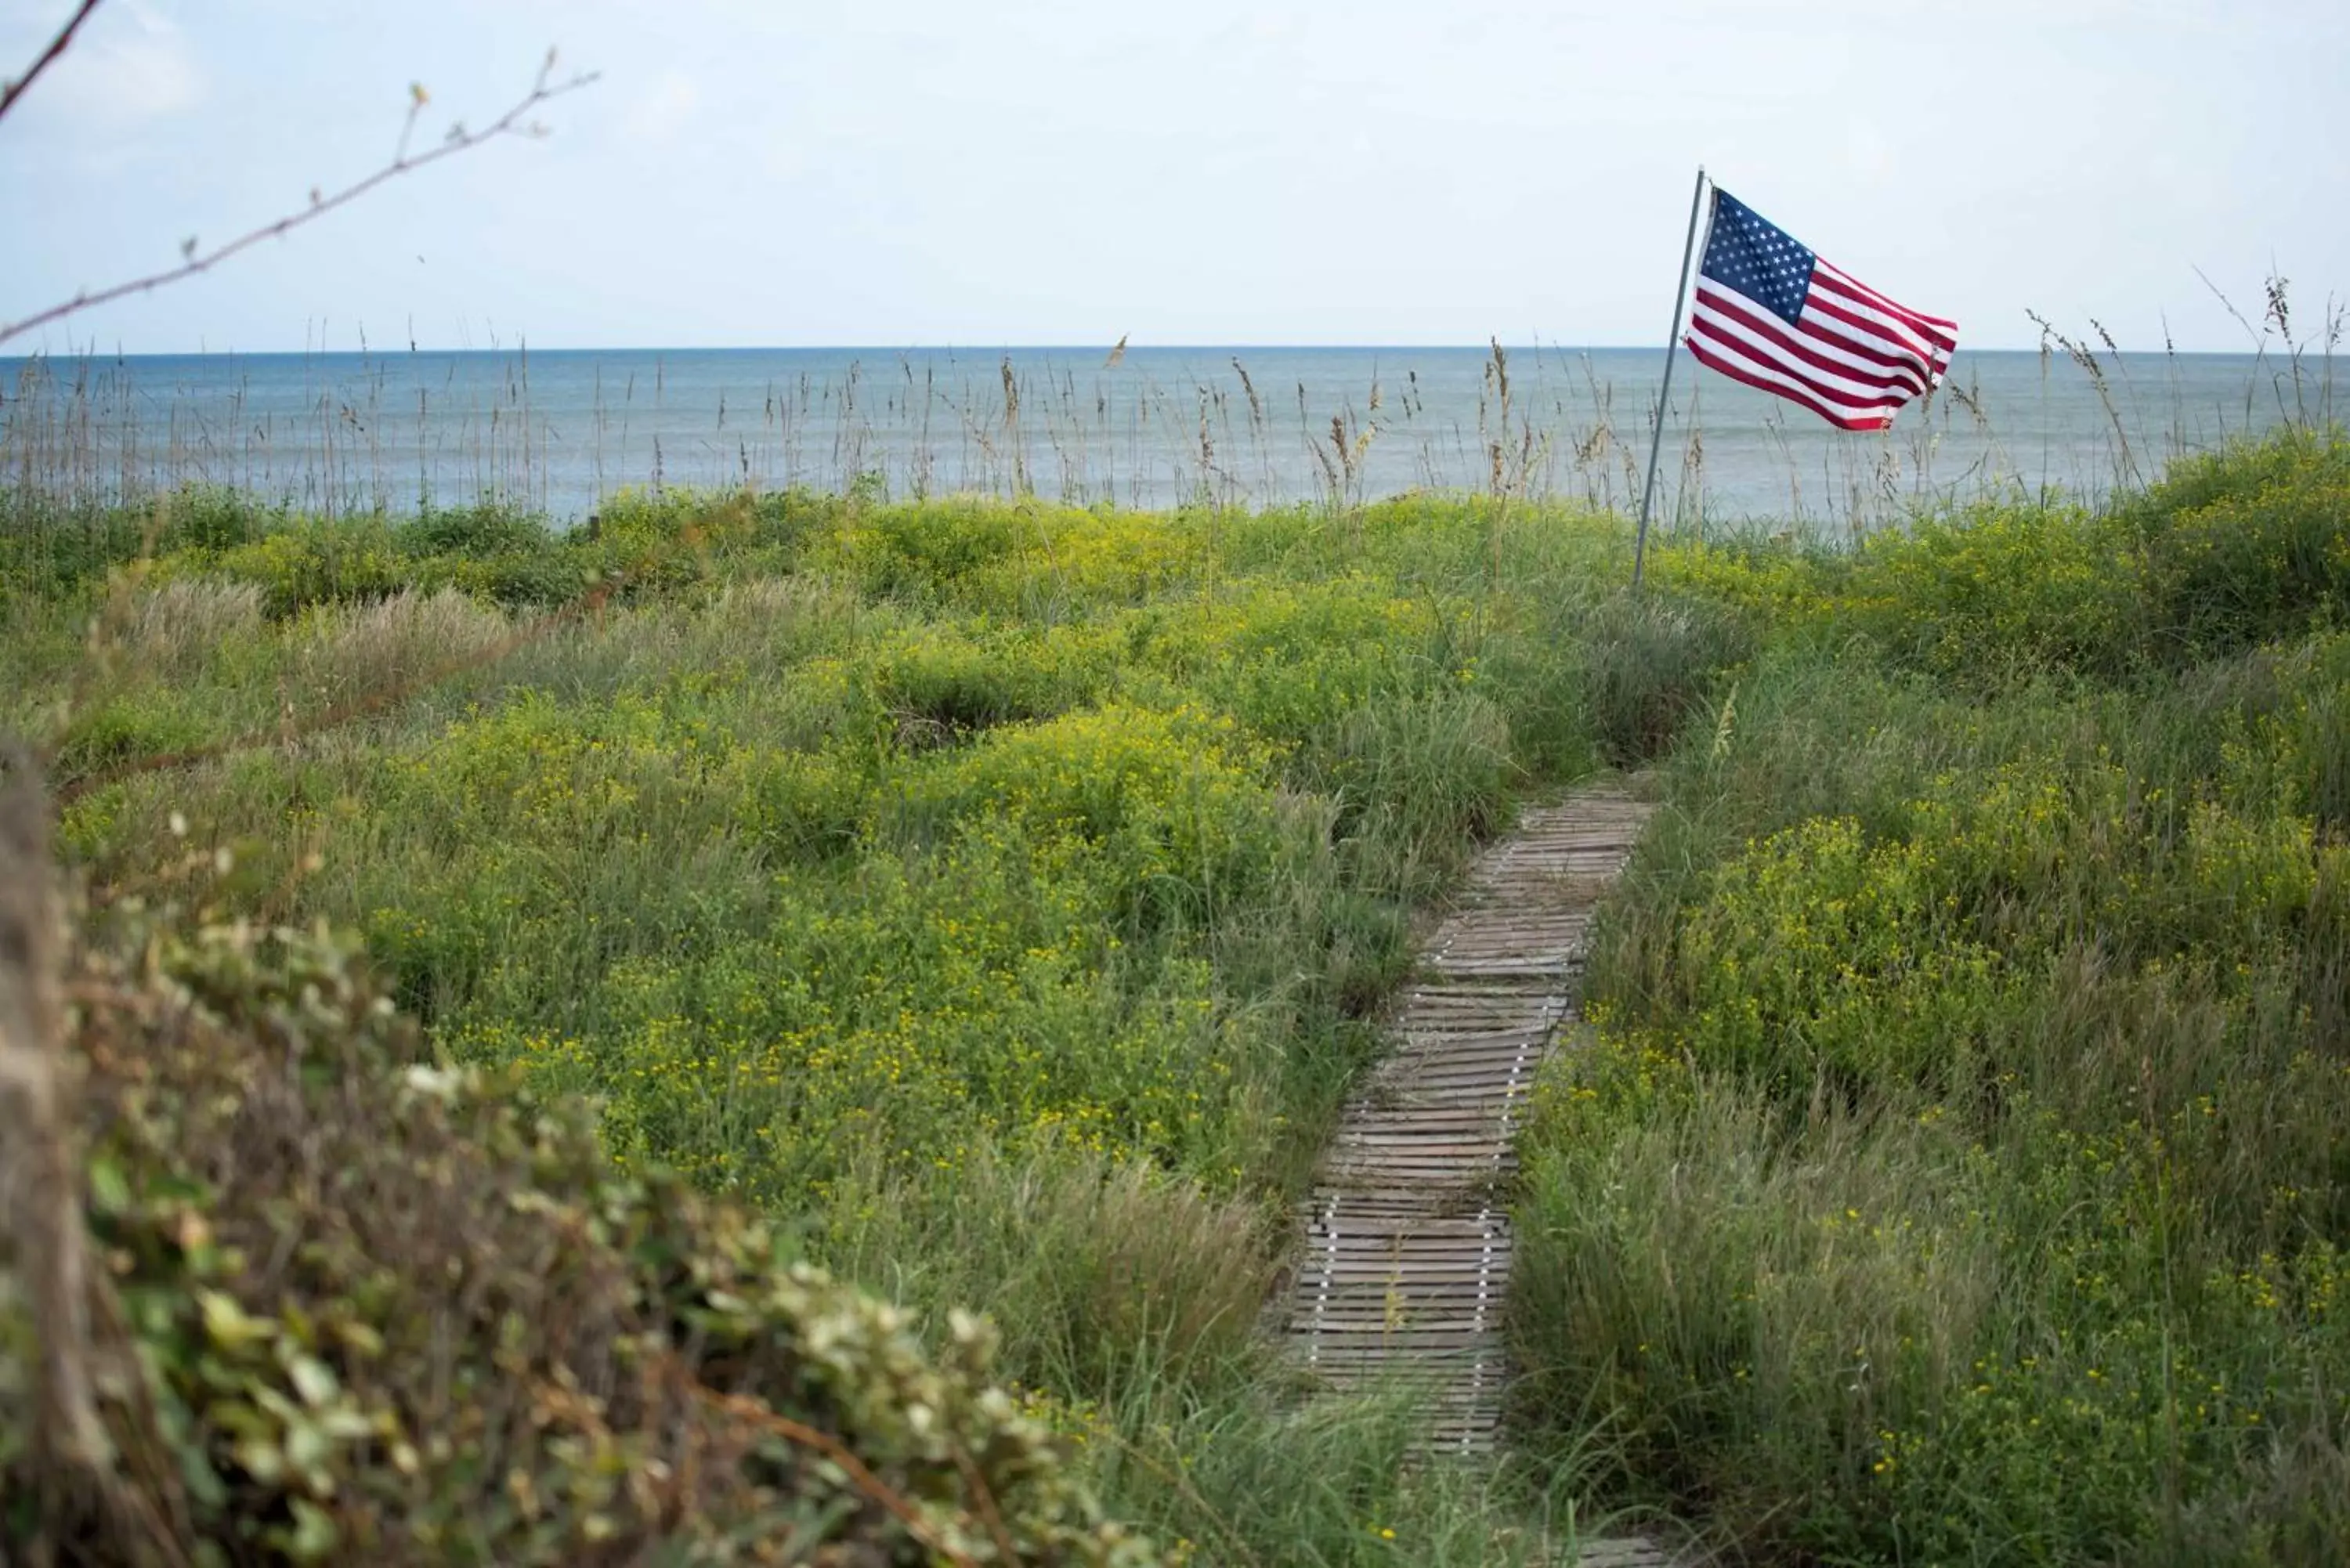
x: 1957, y: 1160
x: 1417, y: 780
x: 1997, y: 592
x: 303, y: 562
x: 130, y: 726
x: 1648, y: 660
x: 2247, y: 544
x: 1177, y: 806
x: 216, y: 518
x: 488, y: 527
x: 375, y: 1306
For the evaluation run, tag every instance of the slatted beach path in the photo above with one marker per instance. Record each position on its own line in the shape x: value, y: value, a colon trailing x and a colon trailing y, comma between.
x: 1407, y: 1248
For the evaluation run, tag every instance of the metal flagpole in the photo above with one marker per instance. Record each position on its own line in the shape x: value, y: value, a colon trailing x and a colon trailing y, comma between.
x: 1657, y: 443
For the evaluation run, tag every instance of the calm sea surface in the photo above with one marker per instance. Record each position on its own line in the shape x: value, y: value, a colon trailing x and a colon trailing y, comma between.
x: 559, y: 431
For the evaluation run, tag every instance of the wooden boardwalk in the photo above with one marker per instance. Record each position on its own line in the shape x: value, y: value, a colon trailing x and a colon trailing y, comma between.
x: 1407, y: 1249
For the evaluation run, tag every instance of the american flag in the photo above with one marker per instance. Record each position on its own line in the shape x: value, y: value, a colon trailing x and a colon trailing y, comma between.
x: 1771, y: 314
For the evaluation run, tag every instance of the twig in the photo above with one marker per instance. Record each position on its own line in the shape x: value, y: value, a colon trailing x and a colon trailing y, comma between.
x: 831, y: 1448
x: 985, y: 1501
x: 2260, y: 338
x: 459, y: 139
x: 12, y: 91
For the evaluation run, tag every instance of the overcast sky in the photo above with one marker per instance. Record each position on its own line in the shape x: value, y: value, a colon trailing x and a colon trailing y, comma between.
x: 946, y: 172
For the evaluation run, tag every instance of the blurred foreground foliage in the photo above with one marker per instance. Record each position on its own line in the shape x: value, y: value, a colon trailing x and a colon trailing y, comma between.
x: 362, y: 1303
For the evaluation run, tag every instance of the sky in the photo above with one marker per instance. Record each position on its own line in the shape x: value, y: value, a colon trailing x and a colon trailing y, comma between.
x: 941, y: 173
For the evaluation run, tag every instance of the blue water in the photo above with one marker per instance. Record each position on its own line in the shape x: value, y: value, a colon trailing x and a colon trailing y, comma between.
x: 559, y: 431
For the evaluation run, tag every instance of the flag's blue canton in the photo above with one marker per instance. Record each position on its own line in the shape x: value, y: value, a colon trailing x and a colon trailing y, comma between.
x: 1756, y: 258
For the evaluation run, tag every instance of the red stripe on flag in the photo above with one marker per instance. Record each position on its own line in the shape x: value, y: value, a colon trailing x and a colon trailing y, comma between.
x: 1767, y: 324
x: 1935, y: 333
x: 1905, y: 366
x: 1942, y: 333
x: 1831, y: 297
x: 1859, y: 400
x: 1916, y: 354
x: 1704, y: 355
x: 1917, y: 373
x: 1842, y: 399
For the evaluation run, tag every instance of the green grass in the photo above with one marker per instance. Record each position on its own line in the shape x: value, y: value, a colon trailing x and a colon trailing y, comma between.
x: 1958, y: 1175
x: 1002, y: 897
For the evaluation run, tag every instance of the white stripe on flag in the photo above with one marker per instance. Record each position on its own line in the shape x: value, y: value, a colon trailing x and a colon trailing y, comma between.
x: 1830, y: 358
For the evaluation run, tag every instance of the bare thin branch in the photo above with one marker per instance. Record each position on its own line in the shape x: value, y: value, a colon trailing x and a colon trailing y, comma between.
x: 13, y: 89
x: 745, y: 1409
x: 2260, y: 338
x: 515, y: 121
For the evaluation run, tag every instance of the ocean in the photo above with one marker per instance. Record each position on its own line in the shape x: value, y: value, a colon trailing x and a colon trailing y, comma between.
x: 558, y: 432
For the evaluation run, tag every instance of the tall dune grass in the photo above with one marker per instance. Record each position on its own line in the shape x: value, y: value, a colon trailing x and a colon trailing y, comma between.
x: 1957, y: 1174
x: 82, y: 437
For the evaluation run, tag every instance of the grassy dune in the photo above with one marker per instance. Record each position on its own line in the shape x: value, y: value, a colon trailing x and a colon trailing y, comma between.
x: 1962, y: 1170
x: 1002, y: 898
x: 999, y: 897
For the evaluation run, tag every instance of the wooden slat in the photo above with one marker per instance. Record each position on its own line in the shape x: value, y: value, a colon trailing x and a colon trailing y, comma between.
x: 1403, y: 1259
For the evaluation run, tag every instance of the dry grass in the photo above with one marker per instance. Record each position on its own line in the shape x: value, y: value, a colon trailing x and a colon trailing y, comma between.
x: 175, y: 627
x: 397, y: 641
